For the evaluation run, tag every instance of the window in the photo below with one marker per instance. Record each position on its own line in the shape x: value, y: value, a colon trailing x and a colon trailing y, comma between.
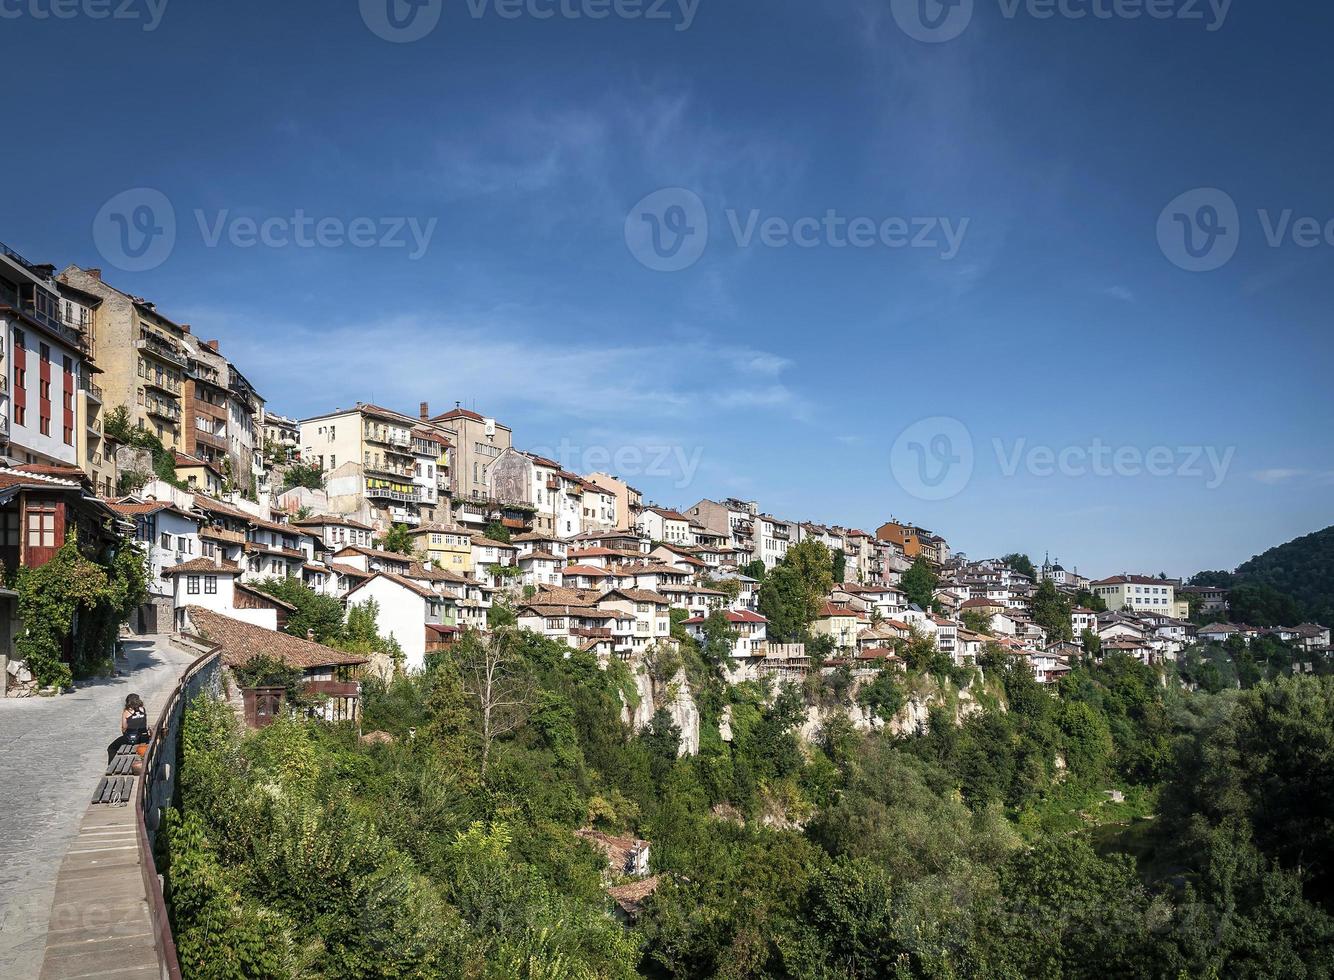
x: 20, y: 340
x: 210, y: 585
x: 46, y: 352
x: 20, y: 415
x: 192, y: 584
x: 69, y: 436
x: 207, y: 548
x: 20, y: 375
x: 45, y: 425
x: 69, y: 365
x: 180, y: 543
x: 9, y: 530
x: 42, y: 526
x: 165, y: 542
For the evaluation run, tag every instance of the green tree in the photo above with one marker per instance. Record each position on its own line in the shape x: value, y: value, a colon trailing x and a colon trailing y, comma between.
x: 755, y: 569
x: 321, y: 614
x: 794, y: 591
x: 397, y: 539
x: 497, y: 531
x: 919, y: 583
x: 840, y: 565
x: 1021, y: 564
x: 307, y: 475
x: 1051, y: 611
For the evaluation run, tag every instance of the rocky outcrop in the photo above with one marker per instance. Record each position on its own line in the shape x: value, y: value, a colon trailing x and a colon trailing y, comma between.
x: 915, y: 714
x: 674, y: 696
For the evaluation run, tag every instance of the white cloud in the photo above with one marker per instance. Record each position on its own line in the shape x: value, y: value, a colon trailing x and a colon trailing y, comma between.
x: 1276, y: 476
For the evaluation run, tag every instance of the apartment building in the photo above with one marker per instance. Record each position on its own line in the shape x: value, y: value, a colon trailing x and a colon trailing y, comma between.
x: 628, y: 501
x: 776, y: 536
x: 1142, y: 593
x: 734, y: 518
x: 379, y: 462
x: 478, y: 441
x: 50, y: 411
x: 666, y: 525
x: 446, y: 546
x: 902, y: 536
x: 280, y: 438
x: 143, y: 354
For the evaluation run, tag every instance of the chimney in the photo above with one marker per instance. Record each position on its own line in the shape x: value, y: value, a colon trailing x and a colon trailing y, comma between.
x: 185, y: 327
x: 310, y: 635
x: 217, y: 558
x: 426, y: 411
x: 210, y: 344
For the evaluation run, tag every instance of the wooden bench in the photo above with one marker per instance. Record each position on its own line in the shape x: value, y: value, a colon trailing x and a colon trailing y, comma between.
x: 116, y: 788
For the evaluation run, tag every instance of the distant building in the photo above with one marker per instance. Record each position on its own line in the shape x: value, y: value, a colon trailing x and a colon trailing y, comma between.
x: 1142, y: 593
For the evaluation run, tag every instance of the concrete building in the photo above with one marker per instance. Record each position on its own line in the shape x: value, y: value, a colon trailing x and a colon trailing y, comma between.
x: 1142, y: 593
x: 280, y: 438
x: 734, y: 518
x: 628, y: 501
x: 50, y: 411
x: 478, y: 441
x: 666, y: 525
x: 380, y: 463
x: 143, y: 355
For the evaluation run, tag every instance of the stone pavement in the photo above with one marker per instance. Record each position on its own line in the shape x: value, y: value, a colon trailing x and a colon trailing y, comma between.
x: 52, y: 753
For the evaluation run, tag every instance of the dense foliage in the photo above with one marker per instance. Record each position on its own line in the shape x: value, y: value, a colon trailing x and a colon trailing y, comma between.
x: 979, y: 843
x: 119, y: 427
x: 1285, y: 585
x: 99, y: 594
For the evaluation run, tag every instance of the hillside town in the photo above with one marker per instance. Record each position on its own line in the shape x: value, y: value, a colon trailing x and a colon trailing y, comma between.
x: 441, y: 517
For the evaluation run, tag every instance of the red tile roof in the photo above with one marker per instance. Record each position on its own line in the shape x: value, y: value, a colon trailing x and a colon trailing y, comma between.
x: 241, y: 642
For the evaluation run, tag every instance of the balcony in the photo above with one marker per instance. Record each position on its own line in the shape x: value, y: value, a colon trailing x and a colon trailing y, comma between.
x: 210, y: 439
x: 151, y: 343
x: 384, y: 469
x: 163, y: 410
x: 90, y: 389
x: 398, y: 496
x: 200, y: 406
x: 389, y: 437
x: 162, y: 382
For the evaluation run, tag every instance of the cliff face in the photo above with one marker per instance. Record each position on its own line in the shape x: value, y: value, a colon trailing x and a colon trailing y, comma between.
x: 674, y: 696
x: 914, y: 715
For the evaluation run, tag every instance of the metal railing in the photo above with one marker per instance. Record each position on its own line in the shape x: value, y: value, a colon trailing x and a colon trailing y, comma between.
x: 156, y: 787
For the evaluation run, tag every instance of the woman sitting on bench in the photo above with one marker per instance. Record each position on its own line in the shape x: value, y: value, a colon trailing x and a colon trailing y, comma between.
x: 133, y: 726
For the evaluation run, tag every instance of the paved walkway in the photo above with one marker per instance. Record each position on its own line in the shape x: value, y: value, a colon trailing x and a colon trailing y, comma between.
x: 52, y: 752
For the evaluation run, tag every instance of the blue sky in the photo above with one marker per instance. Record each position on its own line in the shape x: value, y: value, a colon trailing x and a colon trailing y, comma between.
x: 1051, y: 146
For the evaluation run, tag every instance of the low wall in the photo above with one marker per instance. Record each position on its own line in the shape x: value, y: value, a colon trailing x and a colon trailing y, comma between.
x: 157, y: 786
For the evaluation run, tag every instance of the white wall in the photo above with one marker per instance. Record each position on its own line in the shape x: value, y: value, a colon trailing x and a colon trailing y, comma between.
x: 402, y: 616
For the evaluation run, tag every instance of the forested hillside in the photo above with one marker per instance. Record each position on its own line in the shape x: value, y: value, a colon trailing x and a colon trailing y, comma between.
x: 987, y: 848
x: 1288, y: 584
